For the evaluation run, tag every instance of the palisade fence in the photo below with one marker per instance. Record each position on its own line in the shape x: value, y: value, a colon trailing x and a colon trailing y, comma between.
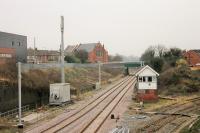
x: 26, y: 67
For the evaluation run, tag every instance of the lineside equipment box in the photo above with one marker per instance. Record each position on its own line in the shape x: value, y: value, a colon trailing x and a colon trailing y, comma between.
x: 59, y: 93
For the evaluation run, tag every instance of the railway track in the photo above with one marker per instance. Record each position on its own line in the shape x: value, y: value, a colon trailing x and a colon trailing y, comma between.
x: 174, y: 120
x: 87, y: 114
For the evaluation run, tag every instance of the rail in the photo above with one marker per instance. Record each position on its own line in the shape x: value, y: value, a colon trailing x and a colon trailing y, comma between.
x: 73, y: 116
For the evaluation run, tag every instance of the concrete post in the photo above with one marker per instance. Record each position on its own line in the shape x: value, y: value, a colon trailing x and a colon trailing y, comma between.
x: 34, y: 52
x: 20, y: 125
x: 99, y: 74
x: 62, y: 51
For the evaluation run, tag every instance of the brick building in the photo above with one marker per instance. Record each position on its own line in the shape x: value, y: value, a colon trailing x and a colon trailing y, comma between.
x: 193, y: 57
x: 13, y: 45
x: 6, y: 54
x: 43, y: 56
x: 96, y: 51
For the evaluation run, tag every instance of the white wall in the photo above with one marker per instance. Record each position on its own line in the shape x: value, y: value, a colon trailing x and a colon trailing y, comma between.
x: 62, y: 90
x: 148, y: 85
x: 147, y: 72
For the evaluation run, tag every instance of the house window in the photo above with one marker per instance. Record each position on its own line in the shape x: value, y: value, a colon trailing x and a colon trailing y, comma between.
x: 13, y: 43
x: 150, y: 79
x: 98, y: 53
x: 5, y: 56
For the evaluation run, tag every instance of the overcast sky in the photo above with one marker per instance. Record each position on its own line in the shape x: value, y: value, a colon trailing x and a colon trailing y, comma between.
x: 126, y: 27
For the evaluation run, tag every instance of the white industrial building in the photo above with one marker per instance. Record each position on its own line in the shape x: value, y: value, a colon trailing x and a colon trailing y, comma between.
x: 59, y: 93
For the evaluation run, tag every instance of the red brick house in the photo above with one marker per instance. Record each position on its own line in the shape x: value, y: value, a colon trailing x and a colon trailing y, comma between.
x: 7, y: 53
x: 96, y: 51
x: 193, y: 57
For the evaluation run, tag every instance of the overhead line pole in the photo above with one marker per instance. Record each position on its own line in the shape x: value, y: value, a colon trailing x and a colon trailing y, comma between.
x: 20, y: 125
x: 62, y: 50
x: 34, y: 52
x: 99, y: 74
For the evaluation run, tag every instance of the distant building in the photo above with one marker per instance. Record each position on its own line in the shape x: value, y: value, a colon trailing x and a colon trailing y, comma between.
x: 146, y: 86
x: 7, y: 53
x: 43, y: 56
x: 193, y: 57
x: 70, y: 49
x: 96, y: 51
x: 13, y: 46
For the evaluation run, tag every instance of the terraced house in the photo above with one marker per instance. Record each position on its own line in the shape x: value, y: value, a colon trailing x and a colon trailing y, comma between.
x: 43, y: 56
x: 13, y: 46
x: 96, y: 51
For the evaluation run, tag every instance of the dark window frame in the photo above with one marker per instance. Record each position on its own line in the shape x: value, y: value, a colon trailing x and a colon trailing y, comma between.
x: 13, y: 43
x: 143, y: 79
x: 150, y: 79
x: 140, y: 79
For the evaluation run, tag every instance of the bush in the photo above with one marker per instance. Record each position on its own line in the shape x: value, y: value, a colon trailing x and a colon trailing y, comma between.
x: 180, y: 79
x: 82, y: 55
x: 72, y: 59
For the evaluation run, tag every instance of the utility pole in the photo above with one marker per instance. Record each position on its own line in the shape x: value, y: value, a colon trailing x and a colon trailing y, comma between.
x: 62, y: 51
x: 34, y: 52
x: 20, y: 125
x: 99, y: 74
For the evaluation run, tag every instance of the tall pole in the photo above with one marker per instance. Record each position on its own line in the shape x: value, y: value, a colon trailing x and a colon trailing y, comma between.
x: 99, y: 74
x: 20, y: 125
x: 34, y: 52
x: 62, y: 51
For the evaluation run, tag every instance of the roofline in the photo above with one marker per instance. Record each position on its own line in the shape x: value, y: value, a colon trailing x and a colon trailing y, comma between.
x: 14, y: 34
x: 194, y: 51
x: 145, y: 68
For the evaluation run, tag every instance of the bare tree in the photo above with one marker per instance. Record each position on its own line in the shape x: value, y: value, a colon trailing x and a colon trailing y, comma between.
x: 160, y: 50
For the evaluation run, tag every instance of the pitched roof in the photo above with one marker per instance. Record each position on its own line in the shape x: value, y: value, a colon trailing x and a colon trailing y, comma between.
x: 70, y: 48
x: 197, y: 51
x: 87, y: 47
x: 141, y: 69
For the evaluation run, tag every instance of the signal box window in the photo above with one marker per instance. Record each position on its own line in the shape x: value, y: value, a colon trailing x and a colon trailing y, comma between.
x: 140, y: 79
x: 144, y: 79
x: 149, y: 79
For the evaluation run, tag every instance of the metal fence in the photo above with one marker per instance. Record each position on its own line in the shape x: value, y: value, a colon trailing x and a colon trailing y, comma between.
x: 14, y: 112
x: 27, y: 67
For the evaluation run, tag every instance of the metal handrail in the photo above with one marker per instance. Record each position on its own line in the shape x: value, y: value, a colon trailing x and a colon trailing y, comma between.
x: 14, y: 112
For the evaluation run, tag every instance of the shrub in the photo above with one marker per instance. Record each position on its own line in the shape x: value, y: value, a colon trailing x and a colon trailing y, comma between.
x: 72, y: 59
